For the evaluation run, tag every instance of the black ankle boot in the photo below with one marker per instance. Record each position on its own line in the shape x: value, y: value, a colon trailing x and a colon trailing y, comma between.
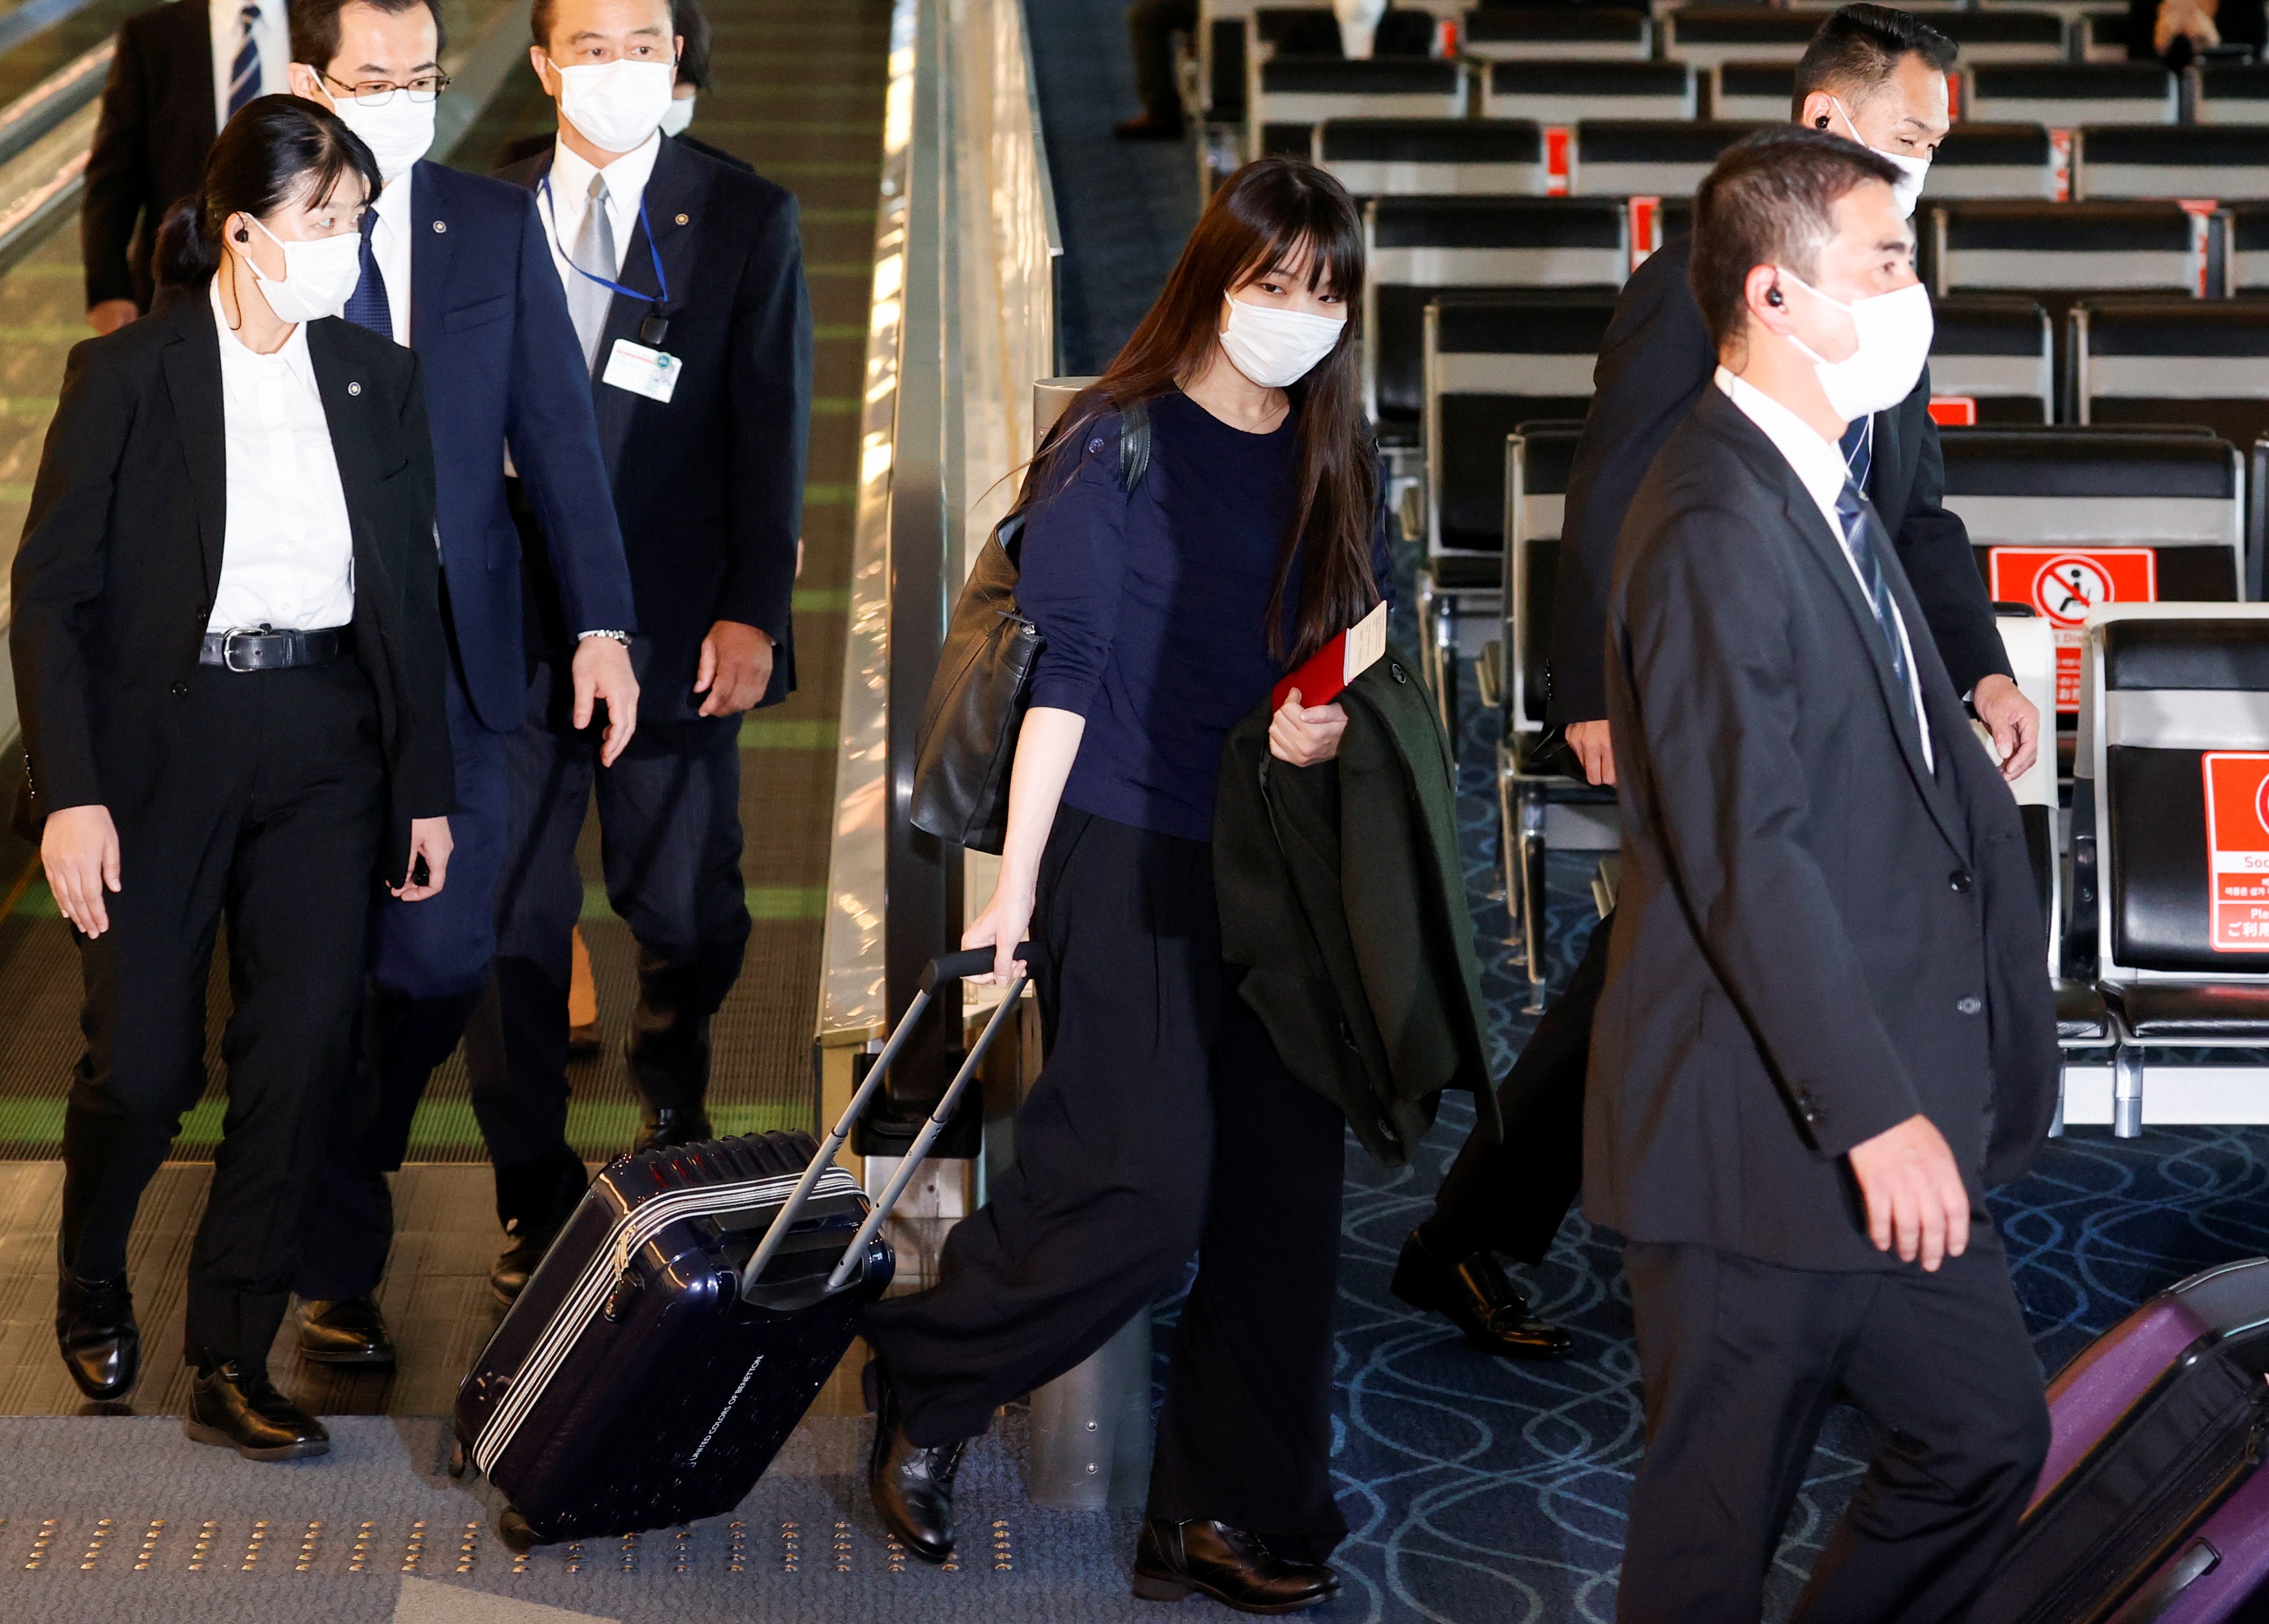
x: 535, y: 1200
x: 239, y: 1408
x: 95, y: 1328
x: 1233, y: 1567
x: 1477, y: 1297
x: 912, y: 1487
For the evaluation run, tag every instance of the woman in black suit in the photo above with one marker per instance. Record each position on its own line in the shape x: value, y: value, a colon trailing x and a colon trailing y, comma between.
x: 227, y: 649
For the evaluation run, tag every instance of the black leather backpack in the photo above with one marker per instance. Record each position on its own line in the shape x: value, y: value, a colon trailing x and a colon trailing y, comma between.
x: 967, y: 741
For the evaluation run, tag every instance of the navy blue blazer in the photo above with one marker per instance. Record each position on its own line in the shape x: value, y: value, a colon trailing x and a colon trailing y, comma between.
x: 502, y: 367
x: 709, y: 485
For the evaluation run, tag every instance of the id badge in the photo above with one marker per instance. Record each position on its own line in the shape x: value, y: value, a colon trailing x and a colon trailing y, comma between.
x: 650, y: 373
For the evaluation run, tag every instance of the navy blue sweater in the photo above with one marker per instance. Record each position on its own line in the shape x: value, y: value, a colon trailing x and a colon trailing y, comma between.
x: 1154, y: 606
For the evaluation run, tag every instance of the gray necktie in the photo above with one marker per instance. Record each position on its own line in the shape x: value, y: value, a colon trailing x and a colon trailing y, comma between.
x: 594, y: 251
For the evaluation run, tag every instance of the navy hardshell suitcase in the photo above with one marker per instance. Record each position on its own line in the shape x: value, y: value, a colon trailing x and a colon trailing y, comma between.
x: 683, y: 1321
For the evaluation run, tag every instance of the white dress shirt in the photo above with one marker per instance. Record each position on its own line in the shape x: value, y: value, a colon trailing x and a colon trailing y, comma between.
x: 1820, y: 467
x: 569, y: 199
x: 272, y: 34
x: 287, y: 553
x: 389, y: 249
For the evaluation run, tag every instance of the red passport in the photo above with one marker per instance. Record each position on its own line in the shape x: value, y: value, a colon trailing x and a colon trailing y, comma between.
x: 1325, y: 672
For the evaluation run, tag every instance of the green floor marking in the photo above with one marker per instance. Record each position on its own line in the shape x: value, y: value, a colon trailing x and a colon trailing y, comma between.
x: 822, y: 600
x: 838, y: 332
x: 764, y: 732
x: 829, y: 496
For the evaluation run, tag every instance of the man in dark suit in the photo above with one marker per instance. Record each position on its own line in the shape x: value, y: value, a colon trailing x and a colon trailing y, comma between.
x: 1878, y: 77
x: 180, y: 70
x: 1825, y: 1028
x: 457, y: 266
x: 684, y: 277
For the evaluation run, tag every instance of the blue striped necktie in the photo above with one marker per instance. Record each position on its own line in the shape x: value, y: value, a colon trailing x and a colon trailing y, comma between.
x: 368, y: 306
x: 244, y: 78
x: 1860, y: 536
x: 1859, y: 448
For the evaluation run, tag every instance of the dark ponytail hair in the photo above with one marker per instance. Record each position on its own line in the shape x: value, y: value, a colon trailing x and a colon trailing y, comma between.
x: 1270, y: 212
x: 272, y: 153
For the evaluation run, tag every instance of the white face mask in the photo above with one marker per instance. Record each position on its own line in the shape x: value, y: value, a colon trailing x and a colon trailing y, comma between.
x: 1893, y: 330
x: 1278, y: 348
x: 397, y: 131
x: 677, y: 115
x: 1359, y: 26
x: 616, y: 105
x: 318, y: 276
x: 1908, y: 187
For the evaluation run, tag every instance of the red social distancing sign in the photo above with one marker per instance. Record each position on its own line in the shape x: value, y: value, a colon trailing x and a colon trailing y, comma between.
x: 2063, y: 584
x: 2237, y: 848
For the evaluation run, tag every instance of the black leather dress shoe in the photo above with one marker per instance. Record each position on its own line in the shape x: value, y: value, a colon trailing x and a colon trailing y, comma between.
x: 1479, y: 1300
x: 912, y: 1487
x: 345, y: 1331
x: 95, y: 1328
x: 523, y: 1250
x: 669, y: 1126
x: 1173, y: 1559
x: 241, y: 1410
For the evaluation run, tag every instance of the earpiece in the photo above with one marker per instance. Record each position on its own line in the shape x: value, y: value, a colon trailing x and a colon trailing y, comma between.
x: 1773, y: 298
x: 1820, y: 122
x: 243, y: 235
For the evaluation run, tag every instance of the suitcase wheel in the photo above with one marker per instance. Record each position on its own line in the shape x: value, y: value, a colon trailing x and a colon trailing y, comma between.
x: 513, y: 1529
x: 458, y: 1464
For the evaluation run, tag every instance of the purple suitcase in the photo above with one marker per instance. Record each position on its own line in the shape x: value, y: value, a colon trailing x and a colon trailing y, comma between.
x: 2150, y: 1508
x: 685, y: 1319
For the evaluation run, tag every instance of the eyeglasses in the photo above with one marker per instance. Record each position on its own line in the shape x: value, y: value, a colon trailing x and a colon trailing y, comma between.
x: 377, y: 92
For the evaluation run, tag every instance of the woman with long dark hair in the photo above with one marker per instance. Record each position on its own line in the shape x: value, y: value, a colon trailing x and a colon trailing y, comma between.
x: 1165, y: 1123
x: 227, y: 649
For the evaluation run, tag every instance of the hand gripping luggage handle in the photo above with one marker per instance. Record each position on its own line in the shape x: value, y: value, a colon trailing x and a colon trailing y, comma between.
x: 951, y: 967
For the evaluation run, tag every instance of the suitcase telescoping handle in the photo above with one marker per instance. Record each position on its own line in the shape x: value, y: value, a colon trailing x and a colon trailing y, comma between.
x: 951, y: 967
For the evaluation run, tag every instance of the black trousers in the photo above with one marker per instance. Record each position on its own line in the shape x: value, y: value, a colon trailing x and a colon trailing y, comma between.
x: 1165, y: 1123
x: 670, y: 826
x: 1511, y: 1196
x: 1150, y: 27
x: 269, y: 812
x: 428, y: 965
x: 1741, y: 1361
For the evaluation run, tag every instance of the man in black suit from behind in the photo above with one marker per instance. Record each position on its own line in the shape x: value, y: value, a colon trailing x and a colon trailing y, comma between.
x: 180, y: 71
x: 685, y: 279
x: 1825, y: 1028
x: 1878, y: 76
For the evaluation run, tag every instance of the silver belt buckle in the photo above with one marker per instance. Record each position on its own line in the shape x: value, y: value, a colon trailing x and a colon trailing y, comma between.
x: 228, y: 649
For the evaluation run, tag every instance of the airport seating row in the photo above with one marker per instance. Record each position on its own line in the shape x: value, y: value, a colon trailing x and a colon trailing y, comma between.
x: 1415, y: 154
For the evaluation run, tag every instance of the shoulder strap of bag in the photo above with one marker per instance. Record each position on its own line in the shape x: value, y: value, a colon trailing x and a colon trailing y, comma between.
x: 1133, y: 444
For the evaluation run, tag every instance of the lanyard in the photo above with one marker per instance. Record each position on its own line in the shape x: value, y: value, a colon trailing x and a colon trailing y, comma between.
x: 653, y: 328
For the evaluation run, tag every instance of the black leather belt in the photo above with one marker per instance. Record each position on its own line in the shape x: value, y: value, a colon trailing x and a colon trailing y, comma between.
x: 266, y: 650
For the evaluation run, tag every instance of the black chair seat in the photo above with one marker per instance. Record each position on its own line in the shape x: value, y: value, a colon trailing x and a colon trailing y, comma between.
x: 2176, y: 1012
x: 1455, y: 574
x: 2081, y: 1013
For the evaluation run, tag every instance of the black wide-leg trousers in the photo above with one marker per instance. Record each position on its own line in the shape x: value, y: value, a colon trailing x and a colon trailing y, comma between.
x: 1163, y: 1124
x: 269, y: 811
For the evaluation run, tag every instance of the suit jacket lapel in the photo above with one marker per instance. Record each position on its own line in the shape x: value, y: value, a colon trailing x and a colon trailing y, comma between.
x: 1764, y: 458
x: 192, y: 365
x: 431, y: 250
x: 671, y: 193
x: 349, y: 398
